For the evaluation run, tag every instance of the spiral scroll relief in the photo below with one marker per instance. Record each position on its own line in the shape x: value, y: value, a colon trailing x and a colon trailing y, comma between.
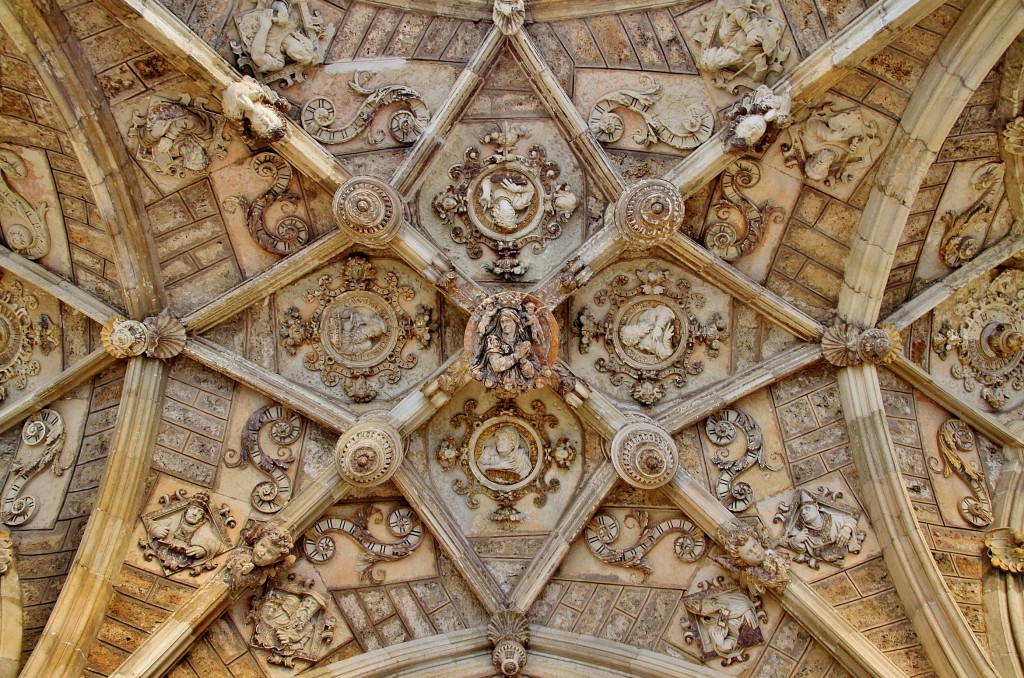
x: 369, y: 210
x: 644, y: 455
x: 649, y: 213
x: 369, y: 453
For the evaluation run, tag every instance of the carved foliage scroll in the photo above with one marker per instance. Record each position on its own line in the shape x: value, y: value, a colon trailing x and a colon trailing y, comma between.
x: 43, y: 435
x: 402, y: 523
x: 24, y: 225
x: 960, y: 240
x: 722, y: 429
x: 603, y: 531
x: 955, y: 438
x: 284, y: 428
x: 740, y: 223
x: 692, y: 128
x: 290, y: 233
x: 405, y: 125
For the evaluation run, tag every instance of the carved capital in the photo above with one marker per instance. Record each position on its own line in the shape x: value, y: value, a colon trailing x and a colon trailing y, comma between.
x: 369, y: 453
x: 649, y: 213
x: 844, y: 345
x: 509, y: 632
x: 368, y: 210
x: 161, y: 337
x: 644, y: 455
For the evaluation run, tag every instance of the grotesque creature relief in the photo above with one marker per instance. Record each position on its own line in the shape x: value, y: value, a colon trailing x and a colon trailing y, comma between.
x: 179, y: 137
x: 828, y: 145
x: 279, y: 38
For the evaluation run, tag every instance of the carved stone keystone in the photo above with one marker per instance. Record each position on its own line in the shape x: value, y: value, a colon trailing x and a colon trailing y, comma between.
x: 369, y: 453
x: 844, y: 345
x: 161, y: 337
x: 368, y: 210
x: 649, y: 213
x: 644, y: 455
x: 509, y: 15
x: 509, y: 633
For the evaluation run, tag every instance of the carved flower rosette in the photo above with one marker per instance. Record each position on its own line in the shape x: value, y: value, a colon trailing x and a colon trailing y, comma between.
x: 360, y: 329
x: 505, y: 453
x: 650, y: 333
x: 505, y: 202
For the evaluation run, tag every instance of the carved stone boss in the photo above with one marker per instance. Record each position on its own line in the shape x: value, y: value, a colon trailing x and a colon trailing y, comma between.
x: 290, y: 621
x: 508, y: 631
x: 402, y: 523
x: 692, y: 129
x: 828, y: 144
x: 505, y: 202
x: 722, y: 429
x: 284, y: 428
x: 20, y: 335
x: 359, y: 332
x: 179, y: 137
x: 369, y: 453
x: 290, y: 233
x: 603, y: 531
x: 740, y: 223
x: 960, y: 240
x: 509, y: 15
x: 160, y: 337
x: 741, y: 43
x: 186, y: 533
x: 754, y: 564
x: 818, y: 527
x: 43, y: 435
x: 988, y: 339
x: 649, y: 333
x: 1006, y: 549
x: 24, y: 225
x: 955, y: 438
x: 279, y: 38
x: 506, y: 454
x: 264, y: 551
x: 405, y: 125
x: 843, y: 344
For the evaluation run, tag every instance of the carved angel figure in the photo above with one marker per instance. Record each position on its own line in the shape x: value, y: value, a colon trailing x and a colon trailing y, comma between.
x: 754, y: 565
x: 267, y: 551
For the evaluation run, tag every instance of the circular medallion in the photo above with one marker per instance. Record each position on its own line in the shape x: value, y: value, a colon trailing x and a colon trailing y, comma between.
x: 13, y: 336
x: 359, y: 329
x: 644, y: 455
x: 650, y: 333
x: 505, y: 453
x: 980, y: 354
x: 506, y: 201
x: 649, y: 213
x: 369, y: 453
x: 368, y: 210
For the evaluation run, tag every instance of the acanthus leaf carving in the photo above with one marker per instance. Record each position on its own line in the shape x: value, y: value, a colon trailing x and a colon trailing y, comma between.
x: 1013, y: 136
x: 405, y: 125
x: 265, y: 550
x: 186, y: 533
x: 723, y: 237
x: 506, y: 454
x: 694, y: 126
x: 505, y: 202
x: 284, y: 428
x: 290, y: 233
x: 955, y: 438
x: 828, y: 144
x: 25, y: 229
x: 44, y: 429
x: 290, y: 621
x: 818, y: 527
x: 723, y: 621
x: 278, y: 39
x: 722, y: 429
x: 359, y: 330
x: 603, y: 530
x: 179, y: 136
x: 20, y: 335
x: 402, y: 523
x: 742, y: 44
x: 650, y: 333
x: 959, y: 243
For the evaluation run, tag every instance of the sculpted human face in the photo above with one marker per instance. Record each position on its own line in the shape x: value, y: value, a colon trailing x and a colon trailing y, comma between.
x: 265, y: 552
x: 809, y: 513
x: 193, y: 515
x: 751, y: 552
x: 508, y: 326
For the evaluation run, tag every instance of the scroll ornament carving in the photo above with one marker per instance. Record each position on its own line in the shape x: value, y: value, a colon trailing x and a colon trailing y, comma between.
x: 359, y: 332
x: 20, y: 336
x: 753, y: 563
x: 505, y: 202
x: 179, y: 137
x: 279, y: 38
x: 755, y: 118
x: 843, y: 344
x: 160, y: 337
x: 644, y: 455
x: 1013, y: 136
x: 649, y: 213
x: 723, y: 621
x: 256, y: 109
x: 818, y: 527
x: 508, y: 631
x: 988, y: 339
x: 44, y: 429
x: 603, y: 531
x: 405, y: 125
x: 692, y: 128
x: 284, y: 427
x: 368, y: 210
x: 24, y: 225
x: 650, y: 333
x: 741, y: 44
x: 1005, y: 549
x: 265, y: 550
x: 955, y: 437
x: 6, y: 552
x: 829, y: 144
x: 402, y: 523
x: 959, y: 242
x: 186, y: 533
x: 505, y: 453
x: 740, y: 223
x: 722, y: 429
x: 513, y: 341
x: 369, y: 453
x: 509, y: 15
x: 290, y: 621
x: 290, y: 233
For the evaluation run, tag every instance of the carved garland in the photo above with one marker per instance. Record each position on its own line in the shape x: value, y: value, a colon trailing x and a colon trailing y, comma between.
x: 955, y: 437
x: 403, y: 523
x: 19, y: 336
x: 721, y: 429
x: 603, y: 531
x: 269, y: 496
x: 650, y: 333
x: 43, y: 429
x: 405, y: 125
x: 722, y: 237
